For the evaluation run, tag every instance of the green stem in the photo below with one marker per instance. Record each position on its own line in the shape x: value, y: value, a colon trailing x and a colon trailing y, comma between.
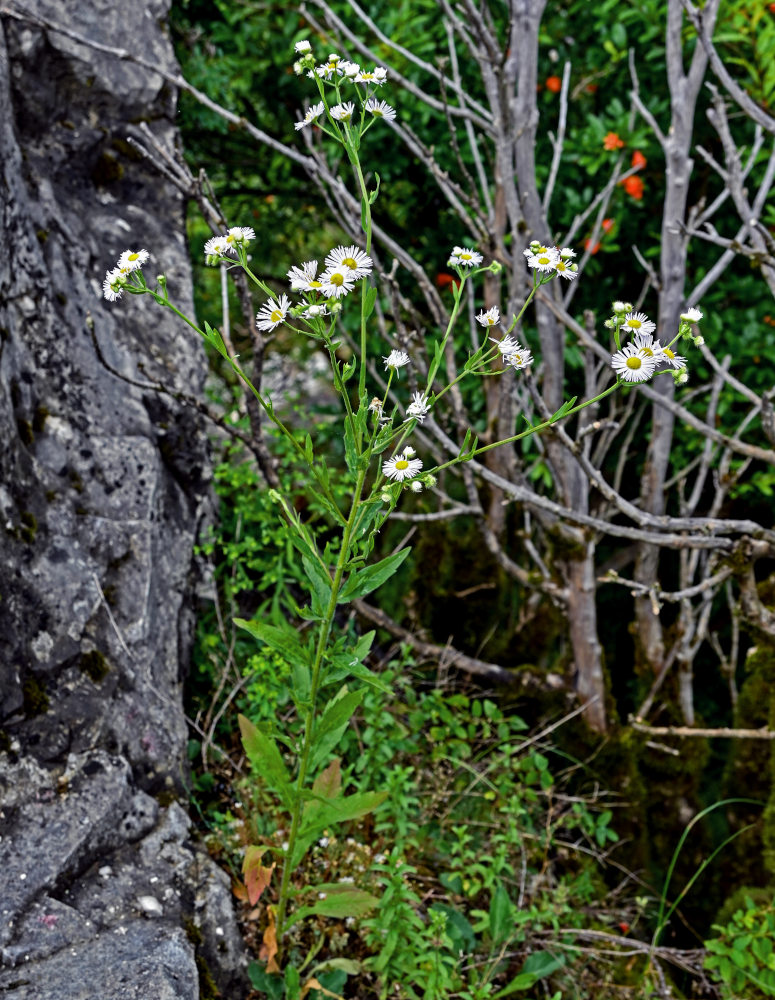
x: 530, y: 430
x: 322, y: 643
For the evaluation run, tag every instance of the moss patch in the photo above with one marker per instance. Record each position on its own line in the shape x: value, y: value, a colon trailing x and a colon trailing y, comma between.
x: 36, y: 700
x: 95, y: 665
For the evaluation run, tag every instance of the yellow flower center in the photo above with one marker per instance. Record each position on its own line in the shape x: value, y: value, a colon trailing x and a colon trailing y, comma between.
x: 668, y: 353
x: 315, y: 284
x: 465, y: 256
x: 635, y: 324
x: 402, y: 464
x: 350, y: 262
x: 133, y: 256
x: 517, y: 359
x: 543, y: 260
x: 634, y: 363
x: 276, y: 316
x: 647, y: 351
x: 337, y: 279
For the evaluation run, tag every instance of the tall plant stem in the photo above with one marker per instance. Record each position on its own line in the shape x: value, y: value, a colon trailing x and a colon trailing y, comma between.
x: 309, y: 724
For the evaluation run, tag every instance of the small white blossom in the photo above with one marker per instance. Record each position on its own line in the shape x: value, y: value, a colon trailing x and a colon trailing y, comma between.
x: 520, y: 358
x: 621, y: 307
x: 376, y: 76
x: 312, y: 113
x: 352, y: 259
x: 343, y: 112
x: 416, y: 486
x: 336, y: 282
x: 699, y: 341
x: 112, y: 286
x: 409, y: 452
x: 507, y: 346
x: 489, y: 318
x: 399, y: 467
x: 349, y: 69
x: 566, y: 270
x: 273, y: 313
x: 632, y: 365
x: 217, y: 246
x: 239, y: 236
x: 418, y: 408
x: 317, y: 310
x: 396, y: 359
x: 682, y: 379
x: 303, y: 278
x: 131, y: 260
x: 546, y: 259
x: 302, y: 47
x: 464, y: 257
x: 675, y: 360
x: 380, y: 109
x: 637, y: 322
x: 567, y: 254
x: 692, y: 315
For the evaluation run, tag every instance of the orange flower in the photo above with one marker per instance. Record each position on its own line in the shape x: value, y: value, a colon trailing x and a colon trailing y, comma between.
x: 593, y: 248
x: 634, y: 187
x: 553, y: 83
x: 612, y: 141
x: 607, y: 225
x: 444, y: 280
x: 638, y: 159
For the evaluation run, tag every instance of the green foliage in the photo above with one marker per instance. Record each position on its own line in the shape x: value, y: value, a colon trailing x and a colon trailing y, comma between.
x: 742, y: 955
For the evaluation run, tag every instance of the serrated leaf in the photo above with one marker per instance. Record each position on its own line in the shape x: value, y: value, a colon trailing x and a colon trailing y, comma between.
x: 363, y: 581
x: 333, y: 722
x: 264, y: 755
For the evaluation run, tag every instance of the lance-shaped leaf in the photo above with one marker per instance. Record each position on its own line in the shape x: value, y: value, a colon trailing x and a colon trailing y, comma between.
x: 257, y: 876
x: 264, y: 755
x: 281, y: 638
x: 338, y: 900
x: 321, y: 814
x: 567, y: 405
x: 333, y: 723
x: 320, y: 584
x: 362, y: 581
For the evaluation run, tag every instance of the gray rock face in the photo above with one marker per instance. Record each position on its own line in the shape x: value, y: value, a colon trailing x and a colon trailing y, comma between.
x: 102, y: 488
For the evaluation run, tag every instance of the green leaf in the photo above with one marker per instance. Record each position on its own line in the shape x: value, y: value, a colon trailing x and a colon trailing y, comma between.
x: 292, y: 982
x: 368, y: 303
x: 521, y: 982
x: 373, y: 194
x: 501, y: 919
x: 542, y: 964
x: 328, y: 783
x: 281, y: 638
x: 270, y: 984
x: 341, y: 810
x: 334, y: 721
x: 363, y: 581
x: 319, y: 583
x: 264, y: 755
x: 338, y: 901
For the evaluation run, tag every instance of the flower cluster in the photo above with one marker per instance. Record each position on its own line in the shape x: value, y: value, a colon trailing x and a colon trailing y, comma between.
x: 643, y: 356
x: 513, y: 353
x: 343, y: 267
x: 116, y: 279
x: 232, y: 242
x: 336, y: 71
x: 551, y: 260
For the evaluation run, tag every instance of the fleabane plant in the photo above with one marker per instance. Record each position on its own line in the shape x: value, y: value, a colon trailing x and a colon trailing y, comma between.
x: 383, y: 461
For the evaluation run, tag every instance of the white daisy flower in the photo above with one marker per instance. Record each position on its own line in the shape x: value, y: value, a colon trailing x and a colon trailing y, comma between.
x: 336, y: 282
x: 396, y: 359
x: 638, y: 323
x: 312, y: 113
x: 303, y: 278
x: 675, y: 360
x: 343, y: 112
x: 317, y: 310
x: 546, y: 259
x: 399, y: 467
x: 507, y: 346
x: 645, y: 342
x: 565, y: 270
x: 692, y: 315
x: 273, y: 313
x: 113, y: 285
x: 632, y: 365
x: 239, y: 236
x: 349, y: 69
x: 380, y: 109
x: 350, y: 258
x: 621, y: 307
x: 131, y: 260
x: 418, y: 409
x: 409, y: 452
x: 520, y: 358
x: 302, y: 46
x: 217, y: 246
x: 464, y: 257
x: 377, y: 76
x: 567, y: 254
x: 489, y: 318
